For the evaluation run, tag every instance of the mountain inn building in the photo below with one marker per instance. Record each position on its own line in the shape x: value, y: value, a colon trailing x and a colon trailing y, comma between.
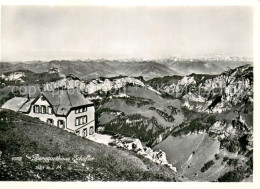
x: 66, y: 109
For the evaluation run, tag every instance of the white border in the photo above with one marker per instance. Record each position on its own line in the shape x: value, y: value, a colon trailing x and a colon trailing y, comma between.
x: 132, y: 2
x: 188, y: 185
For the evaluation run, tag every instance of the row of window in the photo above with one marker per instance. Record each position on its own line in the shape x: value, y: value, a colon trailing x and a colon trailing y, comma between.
x: 60, y: 123
x: 48, y: 110
x: 81, y: 120
x: 42, y: 109
x: 85, y: 132
x: 84, y: 109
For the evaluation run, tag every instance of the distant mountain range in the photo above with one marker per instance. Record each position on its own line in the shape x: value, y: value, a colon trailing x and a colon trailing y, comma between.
x: 91, y: 69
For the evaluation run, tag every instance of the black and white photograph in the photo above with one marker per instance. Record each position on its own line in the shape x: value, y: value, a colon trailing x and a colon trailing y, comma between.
x: 127, y: 93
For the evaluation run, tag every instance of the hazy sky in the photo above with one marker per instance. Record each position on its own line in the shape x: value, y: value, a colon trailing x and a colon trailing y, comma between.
x: 46, y: 33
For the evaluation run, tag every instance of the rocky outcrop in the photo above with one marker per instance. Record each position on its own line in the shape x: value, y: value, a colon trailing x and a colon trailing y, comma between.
x: 158, y: 157
x: 54, y: 70
x: 13, y: 76
x: 223, y: 92
x: 95, y: 85
x: 177, y: 89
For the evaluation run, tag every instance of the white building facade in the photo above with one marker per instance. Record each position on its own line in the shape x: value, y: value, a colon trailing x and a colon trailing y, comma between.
x: 63, y: 109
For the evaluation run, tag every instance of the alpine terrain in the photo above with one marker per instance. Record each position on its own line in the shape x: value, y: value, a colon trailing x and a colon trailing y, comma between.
x: 168, y: 120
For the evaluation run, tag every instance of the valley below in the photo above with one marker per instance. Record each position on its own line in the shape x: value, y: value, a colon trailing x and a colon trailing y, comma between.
x: 205, y: 136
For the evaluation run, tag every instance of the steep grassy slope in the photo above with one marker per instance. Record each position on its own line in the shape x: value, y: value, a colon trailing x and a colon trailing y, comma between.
x: 225, y: 116
x: 22, y: 136
x: 142, y: 113
x: 190, y: 153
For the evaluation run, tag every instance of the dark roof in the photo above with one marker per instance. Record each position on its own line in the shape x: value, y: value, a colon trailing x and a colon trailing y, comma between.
x: 26, y: 106
x: 61, y: 101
